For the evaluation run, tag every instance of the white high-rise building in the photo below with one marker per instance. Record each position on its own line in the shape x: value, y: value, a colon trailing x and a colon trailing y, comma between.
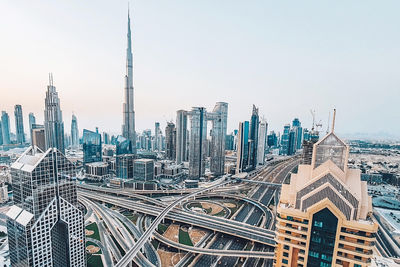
x: 262, y: 139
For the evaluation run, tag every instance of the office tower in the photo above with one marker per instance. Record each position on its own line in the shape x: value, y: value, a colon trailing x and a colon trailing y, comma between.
x: 32, y: 121
x: 124, y: 166
x: 324, y: 214
x: 157, y: 145
x: 306, y: 134
x: 170, y: 136
x: 1, y: 133
x: 128, y: 128
x: 181, y: 136
x: 292, y: 142
x: 38, y: 136
x: 253, y: 138
x: 5, y: 126
x: 3, y: 193
x: 272, y: 139
x: 219, y: 120
x: 106, y: 138
x: 92, y: 151
x: 285, y: 140
x: 19, y: 124
x: 143, y: 169
x: 230, y: 142
x: 198, y: 142
x: 242, y: 147
x: 296, y: 126
x: 235, y: 141
x: 262, y: 140
x: 74, y: 132
x: 308, y: 146
x: 53, y: 123
x: 45, y: 225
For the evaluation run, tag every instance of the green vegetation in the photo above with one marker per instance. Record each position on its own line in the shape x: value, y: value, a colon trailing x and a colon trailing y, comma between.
x: 194, y: 205
x: 93, y: 227
x: 127, y: 228
x: 184, y: 238
x: 94, y: 261
x: 220, y: 214
x: 162, y: 228
x: 155, y: 243
x: 88, y: 243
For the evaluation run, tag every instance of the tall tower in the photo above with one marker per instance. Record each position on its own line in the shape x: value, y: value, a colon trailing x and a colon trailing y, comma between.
x: 219, y: 118
x: 45, y: 224
x: 5, y: 124
x: 198, y: 142
x: 181, y: 136
x: 19, y: 124
x: 32, y: 121
x: 53, y: 123
x: 128, y: 128
x: 262, y: 139
x: 253, y: 138
x: 74, y: 132
x: 170, y: 140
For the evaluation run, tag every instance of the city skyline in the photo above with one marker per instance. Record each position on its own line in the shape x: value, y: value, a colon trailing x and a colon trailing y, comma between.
x: 355, y: 70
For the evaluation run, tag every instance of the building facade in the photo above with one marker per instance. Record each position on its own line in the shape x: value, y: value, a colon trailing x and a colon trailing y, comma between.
x: 5, y: 126
x: 253, y: 138
x: 19, y: 124
x: 53, y: 123
x: 198, y: 142
x: 74, y: 132
x: 181, y: 136
x: 219, y: 120
x: 242, y: 147
x: 32, y: 121
x: 262, y: 141
x: 143, y: 169
x: 92, y: 147
x: 324, y: 214
x: 45, y: 225
x: 38, y: 136
x: 170, y: 141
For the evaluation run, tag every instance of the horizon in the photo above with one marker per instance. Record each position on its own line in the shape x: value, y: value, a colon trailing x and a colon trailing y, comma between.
x: 245, y: 57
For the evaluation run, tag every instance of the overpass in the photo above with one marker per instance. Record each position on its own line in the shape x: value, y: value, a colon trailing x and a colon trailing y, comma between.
x: 131, y: 254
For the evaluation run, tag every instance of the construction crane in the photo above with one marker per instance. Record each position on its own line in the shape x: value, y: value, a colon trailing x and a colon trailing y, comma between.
x: 315, y: 125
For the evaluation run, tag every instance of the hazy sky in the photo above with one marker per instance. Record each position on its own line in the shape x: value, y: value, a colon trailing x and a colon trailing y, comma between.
x: 287, y: 57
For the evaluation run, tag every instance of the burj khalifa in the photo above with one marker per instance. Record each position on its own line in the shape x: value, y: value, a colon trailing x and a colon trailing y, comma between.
x: 128, y: 127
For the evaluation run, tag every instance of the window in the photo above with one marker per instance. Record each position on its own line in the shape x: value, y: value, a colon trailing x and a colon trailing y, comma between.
x: 285, y: 254
x: 318, y: 224
x: 285, y: 261
x: 313, y: 254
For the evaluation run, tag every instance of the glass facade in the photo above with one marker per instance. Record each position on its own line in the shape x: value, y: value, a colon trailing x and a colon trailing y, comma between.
x: 91, y: 146
x: 322, y: 239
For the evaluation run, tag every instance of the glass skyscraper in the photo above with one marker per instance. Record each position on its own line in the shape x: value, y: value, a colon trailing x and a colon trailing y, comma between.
x: 243, y: 147
x: 74, y: 132
x: 253, y: 138
x: 32, y: 121
x: 19, y: 124
x: 53, y: 123
x: 45, y: 225
x: 198, y: 142
x: 5, y: 126
x: 91, y: 146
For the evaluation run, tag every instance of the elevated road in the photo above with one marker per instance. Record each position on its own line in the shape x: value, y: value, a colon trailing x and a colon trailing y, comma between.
x: 131, y: 254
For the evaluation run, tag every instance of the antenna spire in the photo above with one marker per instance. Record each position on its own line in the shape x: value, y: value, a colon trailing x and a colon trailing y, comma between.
x: 333, y: 119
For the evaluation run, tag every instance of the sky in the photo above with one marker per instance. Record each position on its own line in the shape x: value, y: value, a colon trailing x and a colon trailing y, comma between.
x: 286, y: 57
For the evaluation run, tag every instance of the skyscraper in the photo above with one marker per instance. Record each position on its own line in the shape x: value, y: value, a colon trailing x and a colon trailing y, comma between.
x: 198, y: 142
x: 157, y: 143
x: 285, y: 140
x: 92, y: 151
x: 296, y: 126
x: 242, y: 147
x: 253, y: 138
x: 181, y: 136
x: 1, y: 133
x: 170, y: 140
x: 5, y: 126
x: 53, y: 123
x: 45, y: 225
x: 19, y: 124
x: 324, y: 214
x: 38, y: 136
x: 32, y: 121
x: 262, y: 134
x: 74, y: 132
x: 128, y: 127
x: 219, y: 119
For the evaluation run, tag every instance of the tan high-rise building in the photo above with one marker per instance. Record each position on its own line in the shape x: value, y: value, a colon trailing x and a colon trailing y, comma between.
x: 323, y: 217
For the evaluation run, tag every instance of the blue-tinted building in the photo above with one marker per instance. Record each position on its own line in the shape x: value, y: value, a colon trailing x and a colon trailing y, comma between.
x: 5, y: 126
x: 243, y: 147
x: 285, y: 140
x: 272, y: 140
x: 19, y: 124
x: 292, y: 142
x: 92, y: 151
x: 123, y: 145
x: 253, y: 139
